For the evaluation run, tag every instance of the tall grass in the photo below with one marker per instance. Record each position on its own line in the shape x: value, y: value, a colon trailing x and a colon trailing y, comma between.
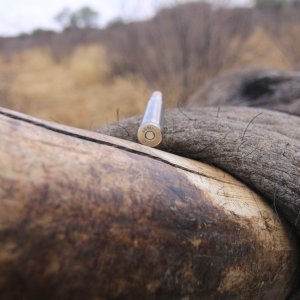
x: 76, y: 91
x: 84, y: 78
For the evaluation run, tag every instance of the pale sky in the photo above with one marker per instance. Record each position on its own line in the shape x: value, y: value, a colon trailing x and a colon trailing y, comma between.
x: 24, y: 15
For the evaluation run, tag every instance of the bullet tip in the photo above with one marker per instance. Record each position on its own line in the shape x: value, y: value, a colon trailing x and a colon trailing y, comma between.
x: 157, y: 94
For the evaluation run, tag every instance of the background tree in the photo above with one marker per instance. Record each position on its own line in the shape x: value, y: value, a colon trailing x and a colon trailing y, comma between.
x: 84, y: 17
x: 116, y: 22
x: 271, y: 3
x: 63, y: 17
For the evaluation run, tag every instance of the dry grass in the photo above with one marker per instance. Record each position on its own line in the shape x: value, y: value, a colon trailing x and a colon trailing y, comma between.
x: 78, y: 91
x: 261, y: 50
x: 173, y: 53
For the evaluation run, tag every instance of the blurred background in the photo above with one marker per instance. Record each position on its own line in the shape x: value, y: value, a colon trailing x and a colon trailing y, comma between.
x: 89, y: 63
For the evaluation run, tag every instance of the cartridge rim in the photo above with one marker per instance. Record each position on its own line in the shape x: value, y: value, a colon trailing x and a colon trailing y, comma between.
x: 150, y: 135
